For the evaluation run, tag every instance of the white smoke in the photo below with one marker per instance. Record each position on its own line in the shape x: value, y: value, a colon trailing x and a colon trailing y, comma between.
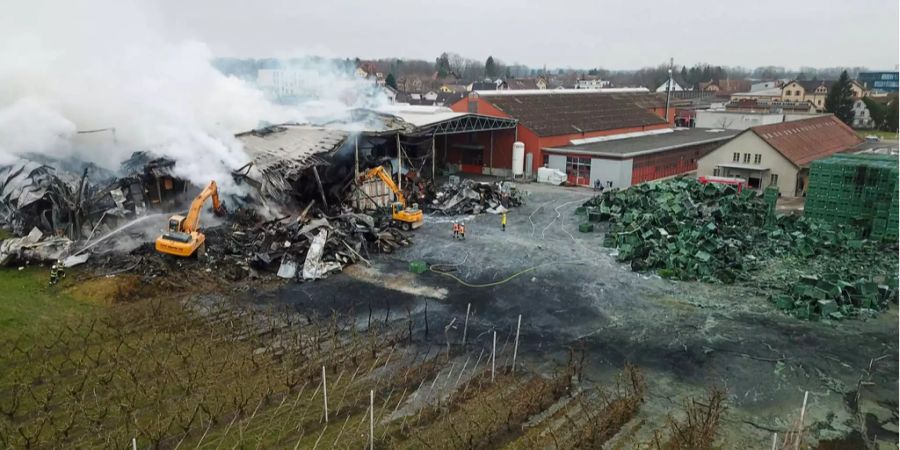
x: 76, y: 66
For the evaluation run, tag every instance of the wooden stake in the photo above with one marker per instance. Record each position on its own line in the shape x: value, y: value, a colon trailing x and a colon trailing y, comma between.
x: 372, y: 419
x: 516, y: 347
x: 800, y: 428
x: 494, y: 357
x: 466, y: 325
x: 325, y: 393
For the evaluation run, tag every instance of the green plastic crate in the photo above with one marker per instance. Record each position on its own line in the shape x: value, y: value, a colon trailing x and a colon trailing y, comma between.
x: 418, y: 266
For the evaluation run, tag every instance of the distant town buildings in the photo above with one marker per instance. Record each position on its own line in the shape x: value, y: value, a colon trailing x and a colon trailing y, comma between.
x: 280, y: 82
x: 880, y: 81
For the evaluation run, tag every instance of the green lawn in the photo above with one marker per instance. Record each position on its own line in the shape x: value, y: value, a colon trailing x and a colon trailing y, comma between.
x: 27, y: 305
x: 882, y: 134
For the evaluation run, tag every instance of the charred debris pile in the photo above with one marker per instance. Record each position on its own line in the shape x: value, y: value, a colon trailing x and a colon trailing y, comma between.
x: 301, y: 208
x: 686, y: 230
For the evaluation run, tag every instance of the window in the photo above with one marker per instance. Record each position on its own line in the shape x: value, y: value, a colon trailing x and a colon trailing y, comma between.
x: 819, y: 102
x: 579, y: 170
x: 716, y: 172
x: 757, y: 158
x: 546, y: 160
x: 736, y: 157
x: 773, y: 179
x: 746, y: 158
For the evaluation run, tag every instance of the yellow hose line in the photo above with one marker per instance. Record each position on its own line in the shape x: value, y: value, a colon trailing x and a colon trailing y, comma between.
x: 497, y: 283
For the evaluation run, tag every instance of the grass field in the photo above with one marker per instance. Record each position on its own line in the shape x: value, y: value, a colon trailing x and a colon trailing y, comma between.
x: 887, y: 135
x: 28, y: 305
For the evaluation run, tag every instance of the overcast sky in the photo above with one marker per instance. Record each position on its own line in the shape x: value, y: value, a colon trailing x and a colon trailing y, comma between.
x: 577, y: 33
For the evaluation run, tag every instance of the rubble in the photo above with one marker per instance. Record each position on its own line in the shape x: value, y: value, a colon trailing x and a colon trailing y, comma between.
x: 309, y: 246
x: 470, y: 197
x: 686, y: 230
x: 33, y: 247
x: 33, y: 194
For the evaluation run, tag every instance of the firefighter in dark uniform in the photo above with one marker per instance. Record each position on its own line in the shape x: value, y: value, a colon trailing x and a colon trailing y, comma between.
x: 57, y: 272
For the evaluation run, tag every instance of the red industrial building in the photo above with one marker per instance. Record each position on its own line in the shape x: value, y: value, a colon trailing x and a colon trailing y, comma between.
x: 624, y: 160
x: 550, y: 118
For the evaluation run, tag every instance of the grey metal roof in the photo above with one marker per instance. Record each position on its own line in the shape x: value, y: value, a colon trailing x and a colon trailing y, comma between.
x: 635, y: 146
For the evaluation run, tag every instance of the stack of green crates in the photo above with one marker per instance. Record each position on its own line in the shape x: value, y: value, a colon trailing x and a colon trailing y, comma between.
x: 856, y: 189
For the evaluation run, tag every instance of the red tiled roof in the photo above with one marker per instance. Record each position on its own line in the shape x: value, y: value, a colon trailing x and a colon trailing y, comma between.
x: 804, y: 141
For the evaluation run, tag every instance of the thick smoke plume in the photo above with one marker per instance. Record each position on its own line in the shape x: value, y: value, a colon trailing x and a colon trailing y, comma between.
x: 71, y: 67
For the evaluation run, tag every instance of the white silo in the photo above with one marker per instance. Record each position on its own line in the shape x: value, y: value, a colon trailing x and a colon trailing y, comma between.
x: 518, y: 159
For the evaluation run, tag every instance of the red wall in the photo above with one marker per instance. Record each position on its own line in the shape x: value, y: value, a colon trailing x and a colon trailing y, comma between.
x: 534, y: 143
x: 669, y: 163
x: 503, y: 142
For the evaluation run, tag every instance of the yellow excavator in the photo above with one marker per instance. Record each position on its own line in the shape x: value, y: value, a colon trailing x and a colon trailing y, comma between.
x: 183, y: 237
x: 408, y: 218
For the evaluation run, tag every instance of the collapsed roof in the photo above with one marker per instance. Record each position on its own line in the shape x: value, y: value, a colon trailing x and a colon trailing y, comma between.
x: 35, y: 193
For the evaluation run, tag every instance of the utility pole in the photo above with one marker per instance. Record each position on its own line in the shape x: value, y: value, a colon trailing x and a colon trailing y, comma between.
x: 669, y: 88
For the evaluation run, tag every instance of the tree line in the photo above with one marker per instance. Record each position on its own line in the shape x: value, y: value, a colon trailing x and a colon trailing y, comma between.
x: 449, y: 65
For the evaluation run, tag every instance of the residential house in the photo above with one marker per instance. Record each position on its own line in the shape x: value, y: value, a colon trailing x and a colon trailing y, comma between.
x: 862, y: 118
x: 430, y: 98
x: 390, y: 93
x: 590, y: 82
x: 724, y: 88
x: 779, y: 154
x: 767, y: 95
x: 766, y: 85
x: 520, y: 84
x: 676, y: 86
x: 452, y: 88
x: 487, y: 85
x: 815, y: 92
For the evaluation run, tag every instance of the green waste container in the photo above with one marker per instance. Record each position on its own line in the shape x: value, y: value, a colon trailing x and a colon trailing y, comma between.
x: 418, y: 266
x: 586, y: 227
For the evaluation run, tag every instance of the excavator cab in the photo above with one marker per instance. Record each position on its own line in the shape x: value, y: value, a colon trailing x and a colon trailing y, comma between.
x: 407, y: 218
x: 183, y: 236
x: 175, y: 223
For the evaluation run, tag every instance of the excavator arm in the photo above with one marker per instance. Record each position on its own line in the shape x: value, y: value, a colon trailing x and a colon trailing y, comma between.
x: 386, y: 179
x: 191, y: 221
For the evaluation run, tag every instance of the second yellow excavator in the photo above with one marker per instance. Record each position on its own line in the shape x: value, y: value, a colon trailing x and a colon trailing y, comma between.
x: 183, y: 237
x: 408, y: 218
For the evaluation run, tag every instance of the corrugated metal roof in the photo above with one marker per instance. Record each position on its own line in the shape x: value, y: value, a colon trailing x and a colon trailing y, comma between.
x: 648, y: 143
x: 552, y: 115
x: 804, y: 141
x: 423, y: 116
x: 505, y: 92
